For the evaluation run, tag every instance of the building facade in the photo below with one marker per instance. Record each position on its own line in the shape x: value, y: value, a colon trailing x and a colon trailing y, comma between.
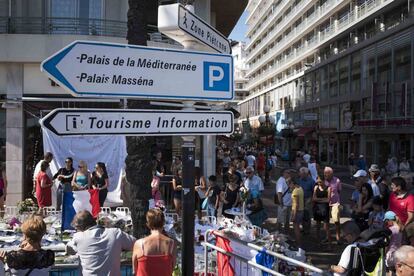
x: 341, y: 71
x: 240, y: 70
x: 31, y: 31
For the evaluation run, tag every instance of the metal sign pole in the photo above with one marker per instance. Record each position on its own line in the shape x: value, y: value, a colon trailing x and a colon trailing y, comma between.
x: 188, y: 212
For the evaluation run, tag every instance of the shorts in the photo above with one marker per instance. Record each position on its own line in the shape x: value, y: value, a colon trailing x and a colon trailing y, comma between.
x: 335, y: 213
x: 283, y: 214
x: 299, y: 217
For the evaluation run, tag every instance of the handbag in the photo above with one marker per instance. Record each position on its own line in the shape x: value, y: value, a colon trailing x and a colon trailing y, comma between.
x: 205, y: 203
x: 276, y: 198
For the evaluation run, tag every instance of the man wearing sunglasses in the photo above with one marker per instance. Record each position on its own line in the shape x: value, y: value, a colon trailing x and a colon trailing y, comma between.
x: 404, y: 264
x: 253, y: 182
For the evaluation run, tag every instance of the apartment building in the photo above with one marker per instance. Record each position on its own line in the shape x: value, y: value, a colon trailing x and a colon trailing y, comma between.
x: 32, y: 30
x: 341, y: 71
x: 240, y: 69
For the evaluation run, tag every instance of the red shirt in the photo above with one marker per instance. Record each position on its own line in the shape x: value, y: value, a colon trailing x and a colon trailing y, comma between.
x: 401, y: 206
x: 261, y: 160
x: 44, y: 195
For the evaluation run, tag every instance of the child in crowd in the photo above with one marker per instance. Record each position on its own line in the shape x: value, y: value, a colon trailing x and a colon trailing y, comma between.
x: 376, y: 216
x: 392, y: 222
x: 213, y: 194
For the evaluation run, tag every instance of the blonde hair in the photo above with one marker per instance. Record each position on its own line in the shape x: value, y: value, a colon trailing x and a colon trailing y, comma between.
x: 83, y: 164
x: 34, y: 228
x: 155, y: 219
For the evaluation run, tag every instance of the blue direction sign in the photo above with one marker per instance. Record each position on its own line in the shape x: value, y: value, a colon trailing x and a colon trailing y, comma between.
x: 88, y: 68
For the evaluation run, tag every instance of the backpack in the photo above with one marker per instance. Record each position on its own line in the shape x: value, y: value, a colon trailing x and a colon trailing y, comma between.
x: 368, y: 256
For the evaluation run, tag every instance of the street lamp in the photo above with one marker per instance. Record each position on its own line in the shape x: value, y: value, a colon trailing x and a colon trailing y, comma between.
x: 289, y: 133
x: 267, y: 131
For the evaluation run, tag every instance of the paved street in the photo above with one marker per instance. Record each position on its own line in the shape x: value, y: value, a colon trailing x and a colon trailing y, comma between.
x: 321, y: 256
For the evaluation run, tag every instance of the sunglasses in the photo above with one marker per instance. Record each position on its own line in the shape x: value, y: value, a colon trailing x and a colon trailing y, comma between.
x: 249, y: 172
x: 410, y: 266
x: 68, y: 161
x: 80, y: 167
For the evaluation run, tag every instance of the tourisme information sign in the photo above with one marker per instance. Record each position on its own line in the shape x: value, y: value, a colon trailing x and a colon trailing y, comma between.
x: 180, y: 24
x: 103, y: 69
x: 77, y: 122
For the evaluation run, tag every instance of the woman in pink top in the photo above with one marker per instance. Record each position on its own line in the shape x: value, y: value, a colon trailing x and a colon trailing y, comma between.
x: 155, y: 254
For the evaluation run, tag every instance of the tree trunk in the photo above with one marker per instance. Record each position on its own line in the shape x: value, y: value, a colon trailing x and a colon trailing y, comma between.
x: 138, y: 166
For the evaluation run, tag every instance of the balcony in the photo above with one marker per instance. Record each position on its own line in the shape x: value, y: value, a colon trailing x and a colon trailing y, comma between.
x: 324, y: 36
x: 256, y: 20
x: 294, y: 34
x: 72, y: 26
x: 266, y: 23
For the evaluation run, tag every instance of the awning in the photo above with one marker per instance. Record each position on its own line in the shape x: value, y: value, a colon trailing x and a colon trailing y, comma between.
x: 301, y: 132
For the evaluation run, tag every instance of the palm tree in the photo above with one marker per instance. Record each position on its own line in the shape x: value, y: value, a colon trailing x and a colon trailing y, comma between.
x: 138, y: 168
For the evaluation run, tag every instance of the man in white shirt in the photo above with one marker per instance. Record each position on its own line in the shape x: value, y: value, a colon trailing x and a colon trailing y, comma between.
x: 99, y: 248
x: 350, y: 232
x: 253, y: 182
x: 285, y: 200
x: 48, y: 157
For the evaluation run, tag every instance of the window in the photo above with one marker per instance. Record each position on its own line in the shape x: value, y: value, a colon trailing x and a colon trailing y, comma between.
x: 356, y: 73
x: 333, y: 79
x: 343, y: 76
x: 402, y: 61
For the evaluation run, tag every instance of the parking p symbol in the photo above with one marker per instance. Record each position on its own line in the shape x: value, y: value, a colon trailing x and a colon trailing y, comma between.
x: 216, y: 76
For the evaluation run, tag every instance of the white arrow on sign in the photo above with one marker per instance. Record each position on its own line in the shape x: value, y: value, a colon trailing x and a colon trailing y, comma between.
x: 88, y: 68
x: 77, y: 122
x: 180, y: 24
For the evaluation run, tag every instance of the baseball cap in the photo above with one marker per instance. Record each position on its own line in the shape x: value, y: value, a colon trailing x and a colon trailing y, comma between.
x: 360, y: 173
x: 374, y: 168
x: 390, y: 215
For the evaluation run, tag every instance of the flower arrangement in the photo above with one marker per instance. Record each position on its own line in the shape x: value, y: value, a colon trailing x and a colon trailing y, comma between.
x: 244, y: 194
x: 26, y: 205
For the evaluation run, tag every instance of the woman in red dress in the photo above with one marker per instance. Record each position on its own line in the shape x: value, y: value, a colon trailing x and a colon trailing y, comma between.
x: 43, y: 186
x: 261, y: 165
x: 155, y: 254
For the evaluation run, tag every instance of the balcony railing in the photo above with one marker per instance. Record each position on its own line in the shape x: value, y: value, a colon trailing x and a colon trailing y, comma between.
x: 265, y: 24
x: 287, y: 40
x: 264, y: 10
x: 328, y: 33
x: 73, y: 26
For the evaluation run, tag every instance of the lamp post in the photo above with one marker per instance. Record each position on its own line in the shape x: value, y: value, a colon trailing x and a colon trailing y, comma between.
x: 267, y: 129
x: 289, y: 133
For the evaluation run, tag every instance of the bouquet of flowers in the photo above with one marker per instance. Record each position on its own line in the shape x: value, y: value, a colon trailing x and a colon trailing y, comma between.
x: 244, y: 194
x: 26, y: 205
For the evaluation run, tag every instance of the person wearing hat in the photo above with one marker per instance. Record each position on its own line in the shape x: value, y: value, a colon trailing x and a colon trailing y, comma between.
x: 350, y: 233
x: 361, y: 164
x: 375, y: 179
x: 392, y: 223
x: 363, y: 174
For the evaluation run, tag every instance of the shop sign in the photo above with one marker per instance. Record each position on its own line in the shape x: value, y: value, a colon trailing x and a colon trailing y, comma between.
x: 310, y: 116
x: 180, y: 24
x: 101, y: 69
x: 379, y: 123
x: 78, y: 122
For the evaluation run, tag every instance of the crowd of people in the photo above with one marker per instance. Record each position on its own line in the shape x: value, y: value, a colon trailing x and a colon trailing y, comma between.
x: 69, y: 179
x: 303, y: 193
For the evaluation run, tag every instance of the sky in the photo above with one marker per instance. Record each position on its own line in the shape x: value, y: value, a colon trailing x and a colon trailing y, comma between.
x: 240, y: 29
